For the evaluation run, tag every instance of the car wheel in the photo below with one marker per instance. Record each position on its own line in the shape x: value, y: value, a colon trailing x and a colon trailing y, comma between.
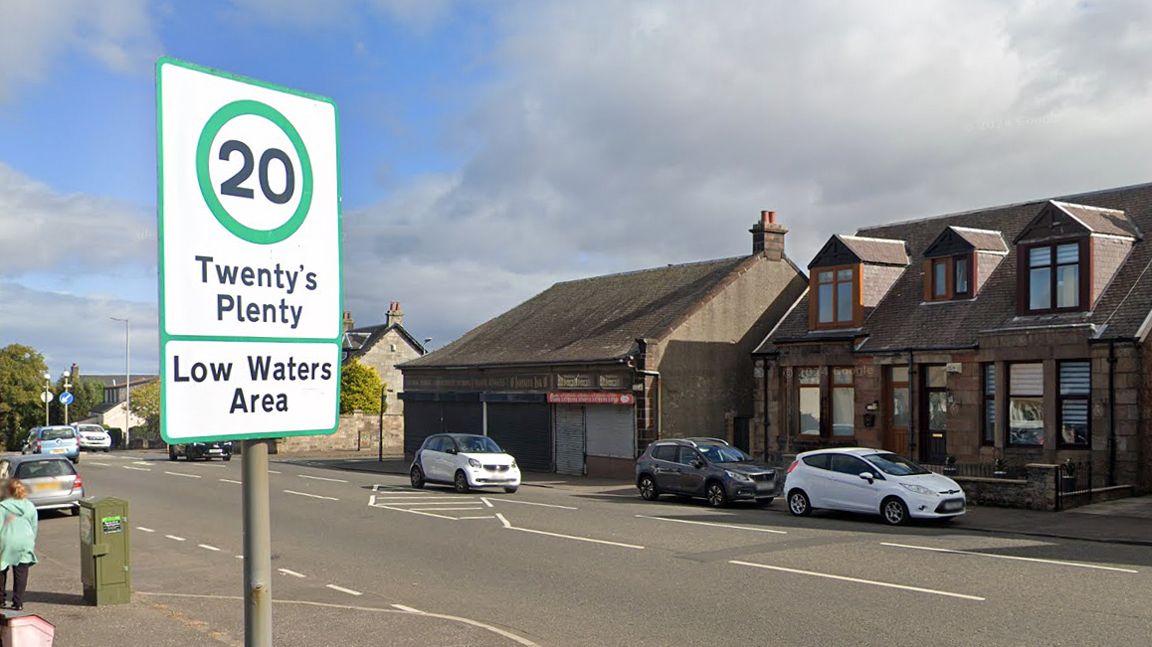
x: 894, y: 511
x: 75, y: 510
x: 76, y: 461
x: 417, y: 477
x: 511, y: 490
x: 107, y: 449
x: 226, y: 457
x: 766, y: 500
x: 716, y: 494
x: 461, y: 481
x: 171, y: 454
x: 798, y: 503
x: 648, y: 490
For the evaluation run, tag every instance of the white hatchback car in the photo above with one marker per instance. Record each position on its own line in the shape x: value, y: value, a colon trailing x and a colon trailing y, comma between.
x: 465, y: 461
x: 859, y: 479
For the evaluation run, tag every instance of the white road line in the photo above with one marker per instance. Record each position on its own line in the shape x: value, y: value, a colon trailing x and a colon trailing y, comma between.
x: 175, y: 538
x: 273, y: 472
x: 714, y: 525
x: 484, y: 517
x: 143, y: 529
x: 208, y: 547
x: 504, y: 521
x: 857, y: 580
x: 427, y: 498
x: 138, y: 469
x: 426, y: 514
x: 292, y: 573
x: 1057, y: 562
x: 311, y: 496
x: 239, y: 557
x: 509, y: 526
x: 191, y: 476
x: 231, y: 481
x: 542, y: 505
x: 100, y: 464
x: 408, y: 609
x: 321, y: 478
x: 448, y: 509
x: 141, y: 463
x: 344, y: 590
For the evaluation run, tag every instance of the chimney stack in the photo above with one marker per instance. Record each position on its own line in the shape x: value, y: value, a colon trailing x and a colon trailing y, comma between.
x: 768, y: 237
x: 395, y: 314
x: 348, y: 323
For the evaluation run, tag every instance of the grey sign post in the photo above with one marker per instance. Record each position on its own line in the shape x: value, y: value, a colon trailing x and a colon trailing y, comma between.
x: 250, y: 281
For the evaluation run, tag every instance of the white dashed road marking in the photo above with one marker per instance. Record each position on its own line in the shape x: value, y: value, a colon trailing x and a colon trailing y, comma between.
x: 273, y: 472
x: 542, y: 505
x: 292, y: 573
x: 857, y: 580
x: 143, y: 529
x: 714, y: 525
x: 312, y: 496
x: 231, y: 481
x: 321, y: 478
x: 138, y: 469
x: 207, y: 547
x: 404, y: 608
x: 175, y: 538
x: 190, y: 476
x: 100, y: 464
x: 1037, y: 560
x: 344, y: 590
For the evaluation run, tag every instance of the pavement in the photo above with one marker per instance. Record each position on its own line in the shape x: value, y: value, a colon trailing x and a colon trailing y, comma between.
x: 1124, y: 521
x: 360, y: 558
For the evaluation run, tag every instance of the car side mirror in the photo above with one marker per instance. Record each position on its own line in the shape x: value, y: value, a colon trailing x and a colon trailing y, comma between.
x: 698, y: 464
x: 451, y: 450
x: 868, y: 476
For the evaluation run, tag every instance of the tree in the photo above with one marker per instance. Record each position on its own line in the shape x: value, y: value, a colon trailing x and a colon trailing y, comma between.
x: 21, y: 383
x: 86, y: 395
x: 360, y: 388
x: 146, y: 405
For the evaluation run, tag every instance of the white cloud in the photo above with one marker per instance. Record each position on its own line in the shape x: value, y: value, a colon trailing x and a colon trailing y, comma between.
x: 626, y: 135
x: 46, y: 230
x: 117, y: 33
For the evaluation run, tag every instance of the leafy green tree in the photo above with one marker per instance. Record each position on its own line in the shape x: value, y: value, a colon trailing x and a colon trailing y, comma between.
x: 22, y: 371
x: 360, y: 388
x: 86, y: 395
x: 146, y: 405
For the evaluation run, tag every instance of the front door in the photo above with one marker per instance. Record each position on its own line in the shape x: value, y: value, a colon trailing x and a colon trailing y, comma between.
x: 897, y: 415
x: 691, y: 478
x: 934, y: 417
x: 846, y: 490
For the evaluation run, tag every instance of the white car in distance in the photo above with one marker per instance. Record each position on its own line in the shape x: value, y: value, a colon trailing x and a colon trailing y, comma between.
x: 93, y: 437
x: 858, y: 479
x: 464, y: 461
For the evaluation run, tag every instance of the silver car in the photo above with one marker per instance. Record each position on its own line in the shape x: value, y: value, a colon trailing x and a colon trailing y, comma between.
x: 52, y: 481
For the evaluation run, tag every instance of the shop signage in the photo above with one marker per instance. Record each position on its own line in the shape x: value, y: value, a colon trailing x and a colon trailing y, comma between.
x: 592, y: 398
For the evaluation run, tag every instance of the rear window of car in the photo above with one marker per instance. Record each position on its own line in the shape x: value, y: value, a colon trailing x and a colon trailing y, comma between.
x: 819, y: 460
x: 665, y: 453
x: 57, y: 433
x: 44, y: 469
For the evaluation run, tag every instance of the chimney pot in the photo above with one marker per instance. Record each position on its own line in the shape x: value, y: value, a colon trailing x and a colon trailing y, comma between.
x: 768, y: 236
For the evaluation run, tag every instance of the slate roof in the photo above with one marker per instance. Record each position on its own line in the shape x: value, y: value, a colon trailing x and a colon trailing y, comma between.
x: 359, y: 340
x: 1101, y: 221
x: 877, y: 250
x: 982, y: 240
x: 588, y: 320
x: 902, y: 321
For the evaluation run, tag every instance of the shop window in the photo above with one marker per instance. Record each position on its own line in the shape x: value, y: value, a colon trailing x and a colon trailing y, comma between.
x: 1075, y: 391
x: 1026, y: 404
x: 988, y: 437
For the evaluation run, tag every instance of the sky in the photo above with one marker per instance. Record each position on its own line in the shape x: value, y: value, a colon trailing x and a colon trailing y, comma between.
x: 491, y: 149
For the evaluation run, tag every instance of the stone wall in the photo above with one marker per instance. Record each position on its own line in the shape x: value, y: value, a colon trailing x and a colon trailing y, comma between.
x: 1037, y: 491
x: 357, y: 432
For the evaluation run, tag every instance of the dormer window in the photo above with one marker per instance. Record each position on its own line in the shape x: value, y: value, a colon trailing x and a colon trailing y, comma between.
x: 958, y: 262
x: 850, y: 275
x: 1055, y: 282
x: 835, y: 297
x: 951, y: 278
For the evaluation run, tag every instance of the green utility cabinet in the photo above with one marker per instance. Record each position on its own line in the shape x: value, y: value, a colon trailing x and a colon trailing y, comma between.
x: 105, y: 550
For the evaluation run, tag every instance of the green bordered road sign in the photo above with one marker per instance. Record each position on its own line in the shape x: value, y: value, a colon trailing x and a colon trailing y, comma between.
x: 250, y: 257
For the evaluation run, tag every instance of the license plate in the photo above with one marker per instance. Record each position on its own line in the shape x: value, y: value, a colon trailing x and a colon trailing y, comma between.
x: 952, y: 506
x: 59, y: 451
x: 45, y: 486
x: 215, y: 451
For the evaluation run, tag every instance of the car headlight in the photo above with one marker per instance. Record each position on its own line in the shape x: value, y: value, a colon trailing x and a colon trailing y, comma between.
x: 918, y: 489
x: 514, y: 465
x: 473, y: 462
x: 738, y: 476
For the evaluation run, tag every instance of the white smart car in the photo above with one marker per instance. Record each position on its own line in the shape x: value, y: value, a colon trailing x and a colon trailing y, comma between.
x: 464, y: 461
x: 859, y: 479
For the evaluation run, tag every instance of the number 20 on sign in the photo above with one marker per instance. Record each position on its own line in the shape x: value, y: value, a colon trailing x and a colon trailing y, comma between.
x: 250, y: 271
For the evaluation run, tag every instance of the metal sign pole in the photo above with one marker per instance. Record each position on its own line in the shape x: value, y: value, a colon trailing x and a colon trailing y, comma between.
x: 257, y: 545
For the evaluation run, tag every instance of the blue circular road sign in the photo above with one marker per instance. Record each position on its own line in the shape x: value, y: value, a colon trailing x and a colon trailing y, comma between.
x: 66, y: 398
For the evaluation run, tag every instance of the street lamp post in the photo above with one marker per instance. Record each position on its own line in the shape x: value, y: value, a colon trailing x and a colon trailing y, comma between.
x: 67, y: 386
x: 47, y: 397
x: 127, y: 378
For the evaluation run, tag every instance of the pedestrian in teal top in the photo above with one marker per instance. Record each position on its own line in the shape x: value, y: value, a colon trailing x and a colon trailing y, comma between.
x: 18, y: 527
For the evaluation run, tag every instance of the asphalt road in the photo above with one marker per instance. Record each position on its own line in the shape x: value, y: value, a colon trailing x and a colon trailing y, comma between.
x: 363, y: 559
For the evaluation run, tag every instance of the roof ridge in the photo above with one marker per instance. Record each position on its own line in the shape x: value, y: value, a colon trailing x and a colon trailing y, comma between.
x: 976, y: 229
x: 1009, y: 205
x: 872, y: 238
x: 715, y: 261
x: 1086, y: 206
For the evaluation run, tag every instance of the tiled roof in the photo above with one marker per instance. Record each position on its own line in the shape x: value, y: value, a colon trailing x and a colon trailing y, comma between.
x: 982, y: 240
x: 1101, y: 221
x: 902, y: 321
x: 360, y: 340
x: 877, y: 251
x: 588, y: 320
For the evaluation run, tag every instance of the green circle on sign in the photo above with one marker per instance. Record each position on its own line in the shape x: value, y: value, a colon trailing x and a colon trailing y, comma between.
x: 203, y: 151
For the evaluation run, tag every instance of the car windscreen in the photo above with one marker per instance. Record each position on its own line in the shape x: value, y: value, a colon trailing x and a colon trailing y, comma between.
x: 57, y: 434
x: 477, y: 445
x: 896, y: 465
x: 44, y: 469
x: 92, y: 429
x: 723, y: 454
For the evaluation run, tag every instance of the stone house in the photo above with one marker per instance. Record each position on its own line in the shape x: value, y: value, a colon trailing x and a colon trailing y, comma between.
x: 1017, y: 332
x: 581, y: 377
x: 384, y: 347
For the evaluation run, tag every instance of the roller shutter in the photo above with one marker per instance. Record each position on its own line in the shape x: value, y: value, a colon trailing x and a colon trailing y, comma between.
x: 611, y: 430
x: 424, y: 418
x: 524, y: 430
x: 570, y: 439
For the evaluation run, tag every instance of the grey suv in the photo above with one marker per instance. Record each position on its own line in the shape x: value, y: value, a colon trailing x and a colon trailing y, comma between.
x: 705, y: 468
